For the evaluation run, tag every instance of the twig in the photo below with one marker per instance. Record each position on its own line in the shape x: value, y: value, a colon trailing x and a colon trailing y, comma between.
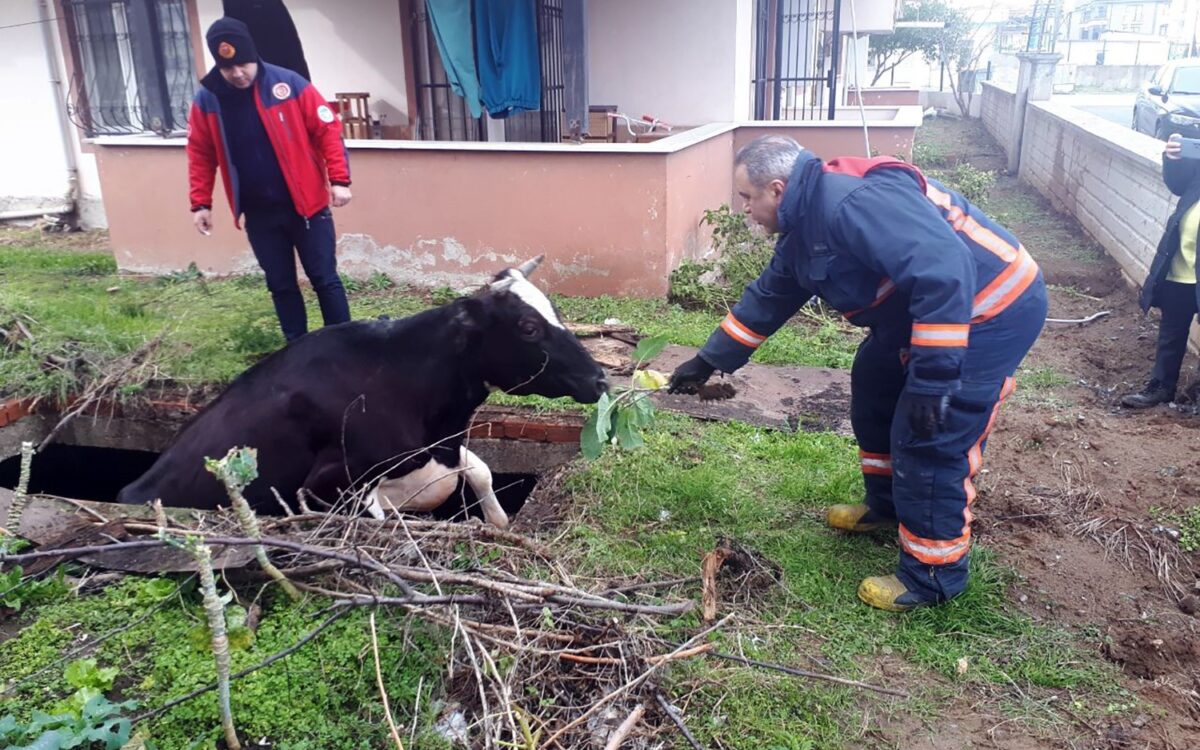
x: 1088, y: 319
x: 811, y: 675
x: 651, y: 585
x: 387, y: 709
x: 215, y: 611
x: 703, y: 648
x: 630, y: 685
x: 581, y: 659
x: 337, y: 615
x: 618, y: 736
x: 666, y: 707
x: 20, y: 494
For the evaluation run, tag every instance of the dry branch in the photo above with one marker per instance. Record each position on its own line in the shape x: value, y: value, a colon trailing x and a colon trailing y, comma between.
x: 810, y: 675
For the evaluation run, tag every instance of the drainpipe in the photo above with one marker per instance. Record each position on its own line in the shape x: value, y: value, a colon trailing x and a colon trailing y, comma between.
x: 64, y: 125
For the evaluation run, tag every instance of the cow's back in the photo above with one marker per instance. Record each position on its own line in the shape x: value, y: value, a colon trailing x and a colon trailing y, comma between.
x: 342, y: 400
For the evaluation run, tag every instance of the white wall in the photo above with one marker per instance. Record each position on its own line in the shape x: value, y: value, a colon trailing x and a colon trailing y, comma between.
x: 686, y: 62
x: 350, y: 45
x: 1109, y: 178
x: 32, y: 151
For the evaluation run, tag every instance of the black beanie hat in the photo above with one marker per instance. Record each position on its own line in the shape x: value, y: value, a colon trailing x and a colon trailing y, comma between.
x: 230, y: 42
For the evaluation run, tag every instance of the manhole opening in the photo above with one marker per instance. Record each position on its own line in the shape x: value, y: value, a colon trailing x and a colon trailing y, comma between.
x: 79, y: 472
x: 97, y: 473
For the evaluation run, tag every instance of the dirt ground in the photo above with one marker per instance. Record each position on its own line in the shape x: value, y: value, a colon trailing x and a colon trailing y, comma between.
x: 1075, y: 487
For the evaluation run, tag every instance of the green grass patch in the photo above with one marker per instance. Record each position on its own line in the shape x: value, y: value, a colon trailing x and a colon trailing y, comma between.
x: 323, y: 696
x: 655, y: 512
x: 79, y: 310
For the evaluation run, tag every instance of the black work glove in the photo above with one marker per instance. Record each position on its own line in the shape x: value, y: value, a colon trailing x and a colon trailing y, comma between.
x: 927, y: 414
x: 690, y: 375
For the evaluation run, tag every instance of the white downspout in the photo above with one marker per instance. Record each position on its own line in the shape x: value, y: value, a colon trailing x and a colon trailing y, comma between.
x: 60, y: 103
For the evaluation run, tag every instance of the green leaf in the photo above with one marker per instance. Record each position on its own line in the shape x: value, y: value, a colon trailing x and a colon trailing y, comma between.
x: 649, y: 348
x: 643, y: 408
x: 627, y: 432
x: 604, y: 416
x: 80, y: 673
x: 589, y: 443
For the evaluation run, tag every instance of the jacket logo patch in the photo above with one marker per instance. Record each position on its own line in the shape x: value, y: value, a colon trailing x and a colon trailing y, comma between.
x: 226, y: 51
x: 324, y: 113
x: 281, y: 91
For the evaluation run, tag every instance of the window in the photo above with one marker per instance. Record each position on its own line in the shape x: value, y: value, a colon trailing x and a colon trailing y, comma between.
x: 1186, y: 80
x: 133, y: 66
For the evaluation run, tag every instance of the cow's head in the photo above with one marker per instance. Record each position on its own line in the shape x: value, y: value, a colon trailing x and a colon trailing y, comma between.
x: 522, y: 344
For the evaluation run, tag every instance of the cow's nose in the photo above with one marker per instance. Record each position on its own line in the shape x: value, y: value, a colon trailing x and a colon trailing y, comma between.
x: 602, y: 383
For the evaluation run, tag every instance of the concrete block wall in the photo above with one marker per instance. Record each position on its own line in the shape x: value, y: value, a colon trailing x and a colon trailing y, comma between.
x: 996, y: 111
x: 1106, y: 176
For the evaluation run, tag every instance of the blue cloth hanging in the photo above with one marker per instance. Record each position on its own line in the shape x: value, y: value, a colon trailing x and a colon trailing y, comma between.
x: 451, y: 21
x: 506, y: 52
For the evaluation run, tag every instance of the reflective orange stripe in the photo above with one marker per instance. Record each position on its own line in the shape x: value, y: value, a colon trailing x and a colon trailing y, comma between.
x: 965, y: 223
x: 886, y: 287
x: 1005, y: 289
x: 741, y: 333
x: 934, y: 551
x: 975, y: 454
x: 879, y: 464
x: 940, y: 334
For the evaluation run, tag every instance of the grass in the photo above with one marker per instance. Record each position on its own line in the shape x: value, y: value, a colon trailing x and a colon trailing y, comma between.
x: 655, y: 512
x: 76, y: 306
x: 324, y: 696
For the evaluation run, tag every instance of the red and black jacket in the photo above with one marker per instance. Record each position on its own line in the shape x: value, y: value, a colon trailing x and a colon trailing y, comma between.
x: 302, y: 128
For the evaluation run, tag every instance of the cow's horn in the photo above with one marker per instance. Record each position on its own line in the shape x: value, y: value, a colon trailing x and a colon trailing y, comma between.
x: 528, y: 267
x: 503, y: 285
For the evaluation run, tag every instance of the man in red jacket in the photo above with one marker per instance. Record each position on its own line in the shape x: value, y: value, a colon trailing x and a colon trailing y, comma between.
x: 282, y: 160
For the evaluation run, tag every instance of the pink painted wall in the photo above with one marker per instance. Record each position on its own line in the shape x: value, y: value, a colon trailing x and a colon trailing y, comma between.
x: 609, y: 219
x: 883, y: 97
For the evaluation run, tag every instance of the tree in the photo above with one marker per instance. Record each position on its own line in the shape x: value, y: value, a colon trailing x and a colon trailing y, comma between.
x: 892, y: 49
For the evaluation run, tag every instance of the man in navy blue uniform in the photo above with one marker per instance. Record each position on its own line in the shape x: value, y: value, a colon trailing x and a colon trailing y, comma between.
x: 952, y: 302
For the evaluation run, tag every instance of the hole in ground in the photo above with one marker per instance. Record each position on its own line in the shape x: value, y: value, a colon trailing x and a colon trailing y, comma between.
x: 90, y: 473
x: 79, y: 472
x: 512, y: 490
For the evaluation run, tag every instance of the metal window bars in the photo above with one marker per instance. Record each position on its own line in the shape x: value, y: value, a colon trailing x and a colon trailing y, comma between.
x: 797, y: 45
x: 133, y: 66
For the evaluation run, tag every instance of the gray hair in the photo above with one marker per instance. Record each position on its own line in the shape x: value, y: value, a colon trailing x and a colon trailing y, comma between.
x: 768, y: 158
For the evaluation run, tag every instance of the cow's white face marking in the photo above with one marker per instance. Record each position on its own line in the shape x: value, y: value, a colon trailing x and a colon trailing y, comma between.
x: 532, y: 296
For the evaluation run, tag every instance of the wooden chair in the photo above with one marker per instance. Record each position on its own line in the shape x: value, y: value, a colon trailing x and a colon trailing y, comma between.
x: 356, y: 114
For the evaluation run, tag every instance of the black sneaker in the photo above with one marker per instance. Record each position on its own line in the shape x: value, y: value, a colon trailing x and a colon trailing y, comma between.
x: 1152, y: 395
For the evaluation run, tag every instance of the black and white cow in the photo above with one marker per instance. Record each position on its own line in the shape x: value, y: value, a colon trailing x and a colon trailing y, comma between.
x: 380, y: 404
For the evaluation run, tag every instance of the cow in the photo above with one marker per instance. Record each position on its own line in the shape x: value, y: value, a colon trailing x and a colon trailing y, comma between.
x: 380, y: 408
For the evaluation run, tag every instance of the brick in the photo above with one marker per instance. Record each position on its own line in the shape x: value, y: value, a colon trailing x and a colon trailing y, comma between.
x: 563, y: 433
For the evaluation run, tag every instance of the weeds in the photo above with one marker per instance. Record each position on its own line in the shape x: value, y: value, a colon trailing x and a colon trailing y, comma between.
x: 744, y: 253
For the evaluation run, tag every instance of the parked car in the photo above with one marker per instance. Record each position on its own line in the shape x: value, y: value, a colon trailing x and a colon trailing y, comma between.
x: 1170, y: 102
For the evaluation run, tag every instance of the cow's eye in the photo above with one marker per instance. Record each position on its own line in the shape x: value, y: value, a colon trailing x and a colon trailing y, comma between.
x: 530, y: 330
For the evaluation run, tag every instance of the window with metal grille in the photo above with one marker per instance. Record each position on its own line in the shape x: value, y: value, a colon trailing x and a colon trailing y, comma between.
x: 133, y: 66
x: 797, y: 44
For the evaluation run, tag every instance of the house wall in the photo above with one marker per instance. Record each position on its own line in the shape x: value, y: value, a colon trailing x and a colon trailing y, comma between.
x: 686, y: 62
x: 34, y: 151
x: 1106, y: 176
x: 350, y: 45
x: 996, y: 111
x: 35, y: 172
x: 610, y: 218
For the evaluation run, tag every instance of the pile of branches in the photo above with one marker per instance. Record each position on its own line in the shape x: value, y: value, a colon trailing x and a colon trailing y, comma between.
x: 538, y: 660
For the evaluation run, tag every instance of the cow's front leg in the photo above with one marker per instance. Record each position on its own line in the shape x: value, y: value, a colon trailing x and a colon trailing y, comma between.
x: 418, y: 491
x: 479, y: 476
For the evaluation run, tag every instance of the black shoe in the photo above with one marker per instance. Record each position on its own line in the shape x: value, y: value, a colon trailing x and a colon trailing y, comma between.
x: 1153, y: 395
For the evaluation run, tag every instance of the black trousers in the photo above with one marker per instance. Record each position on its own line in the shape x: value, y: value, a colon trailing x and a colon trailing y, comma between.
x: 1178, y: 304
x: 277, y: 236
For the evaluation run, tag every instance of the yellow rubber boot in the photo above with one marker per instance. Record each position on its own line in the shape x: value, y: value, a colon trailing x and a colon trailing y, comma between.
x: 857, y: 517
x: 888, y: 593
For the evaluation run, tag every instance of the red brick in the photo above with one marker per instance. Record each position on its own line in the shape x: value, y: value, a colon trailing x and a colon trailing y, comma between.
x: 563, y: 433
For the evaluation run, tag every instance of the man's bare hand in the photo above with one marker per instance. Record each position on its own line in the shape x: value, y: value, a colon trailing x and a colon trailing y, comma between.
x: 339, y: 195
x: 1174, y: 148
x: 203, y: 221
